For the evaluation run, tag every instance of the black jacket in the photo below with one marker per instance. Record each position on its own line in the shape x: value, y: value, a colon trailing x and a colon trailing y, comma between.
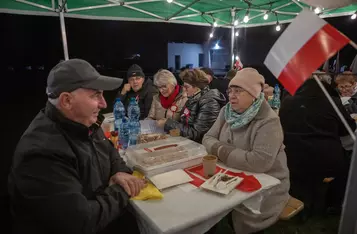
x: 312, y: 132
x: 59, y: 178
x: 144, y: 97
x: 202, y: 111
x: 221, y: 84
x: 351, y: 107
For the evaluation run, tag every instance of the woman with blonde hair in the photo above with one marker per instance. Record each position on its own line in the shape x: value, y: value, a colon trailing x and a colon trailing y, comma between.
x: 171, y: 98
x: 201, y: 109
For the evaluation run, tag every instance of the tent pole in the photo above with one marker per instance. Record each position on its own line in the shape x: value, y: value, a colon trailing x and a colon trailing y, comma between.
x: 232, y: 37
x: 63, y: 29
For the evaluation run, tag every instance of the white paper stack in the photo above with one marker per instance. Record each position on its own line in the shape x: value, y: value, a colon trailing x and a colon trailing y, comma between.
x: 171, y: 178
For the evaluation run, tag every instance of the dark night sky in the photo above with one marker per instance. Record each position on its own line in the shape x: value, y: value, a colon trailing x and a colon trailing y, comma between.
x: 35, y: 41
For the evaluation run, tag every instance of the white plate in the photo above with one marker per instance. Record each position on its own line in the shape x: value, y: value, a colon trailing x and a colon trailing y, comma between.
x: 210, y: 184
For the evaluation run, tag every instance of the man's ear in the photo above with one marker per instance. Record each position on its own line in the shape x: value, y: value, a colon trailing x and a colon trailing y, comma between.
x: 65, y: 100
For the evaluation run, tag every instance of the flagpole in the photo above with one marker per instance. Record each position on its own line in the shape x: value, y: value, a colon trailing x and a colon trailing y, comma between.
x: 354, y: 45
x: 335, y: 108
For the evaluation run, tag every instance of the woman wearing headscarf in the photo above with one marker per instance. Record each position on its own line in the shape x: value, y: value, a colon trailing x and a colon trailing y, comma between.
x: 248, y: 136
x: 201, y: 109
x: 171, y: 99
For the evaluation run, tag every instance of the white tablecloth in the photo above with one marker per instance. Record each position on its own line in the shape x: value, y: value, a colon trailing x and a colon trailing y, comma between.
x: 186, y: 209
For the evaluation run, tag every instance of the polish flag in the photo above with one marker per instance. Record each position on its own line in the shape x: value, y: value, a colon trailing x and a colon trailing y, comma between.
x: 306, y: 44
x: 238, y: 65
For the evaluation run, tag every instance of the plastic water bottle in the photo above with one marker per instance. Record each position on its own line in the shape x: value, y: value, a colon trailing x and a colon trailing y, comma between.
x: 135, y: 128
x: 133, y: 110
x: 134, y: 124
x: 119, y: 114
x: 276, y: 97
x: 124, y: 133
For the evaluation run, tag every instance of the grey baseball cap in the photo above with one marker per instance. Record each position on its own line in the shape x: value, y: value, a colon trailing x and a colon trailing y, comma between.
x: 73, y: 74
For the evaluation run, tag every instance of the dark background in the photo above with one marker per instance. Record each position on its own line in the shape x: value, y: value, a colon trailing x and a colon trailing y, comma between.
x: 36, y: 41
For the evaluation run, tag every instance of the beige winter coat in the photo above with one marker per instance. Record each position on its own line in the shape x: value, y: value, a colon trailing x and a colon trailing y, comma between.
x: 257, y: 147
x: 158, y: 112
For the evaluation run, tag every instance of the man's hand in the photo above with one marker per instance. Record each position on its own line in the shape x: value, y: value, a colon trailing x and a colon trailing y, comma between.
x: 125, y: 89
x: 131, y: 184
x: 161, y: 123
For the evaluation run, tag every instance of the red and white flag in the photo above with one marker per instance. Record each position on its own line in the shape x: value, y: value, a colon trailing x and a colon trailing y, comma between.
x: 302, y: 48
x: 238, y: 65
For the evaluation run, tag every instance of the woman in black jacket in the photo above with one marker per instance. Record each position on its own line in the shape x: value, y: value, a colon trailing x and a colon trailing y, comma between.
x: 201, y: 109
x: 312, y: 131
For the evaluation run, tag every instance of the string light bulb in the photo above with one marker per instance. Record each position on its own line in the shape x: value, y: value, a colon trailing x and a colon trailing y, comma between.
x: 211, y: 35
x: 354, y: 16
x: 237, y: 34
x: 170, y: 1
x: 278, y: 27
x: 235, y: 22
x: 215, y: 24
x: 317, y: 10
x: 246, y: 19
x: 266, y: 16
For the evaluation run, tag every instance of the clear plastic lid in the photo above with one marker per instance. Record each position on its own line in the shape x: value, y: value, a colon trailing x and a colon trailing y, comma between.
x: 165, y: 152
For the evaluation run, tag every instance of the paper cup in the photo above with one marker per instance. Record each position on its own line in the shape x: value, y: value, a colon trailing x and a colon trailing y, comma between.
x: 209, y: 165
x: 175, y: 132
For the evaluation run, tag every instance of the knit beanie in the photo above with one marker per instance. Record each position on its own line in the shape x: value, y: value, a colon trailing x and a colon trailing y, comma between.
x: 135, y: 70
x: 250, y: 80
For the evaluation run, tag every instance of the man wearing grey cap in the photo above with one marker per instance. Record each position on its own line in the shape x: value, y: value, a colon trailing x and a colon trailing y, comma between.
x: 66, y: 177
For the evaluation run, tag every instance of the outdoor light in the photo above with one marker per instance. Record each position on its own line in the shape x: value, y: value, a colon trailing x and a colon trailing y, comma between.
x: 216, y: 46
x: 235, y: 22
x: 354, y: 16
x: 278, y: 27
x: 211, y: 35
x: 246, y: 19
x: 237, y: 34
x: 170, y: 1
x: 317, y: 10
x: 215, y: 24
x: 266, y: 16
x: 237, y: 57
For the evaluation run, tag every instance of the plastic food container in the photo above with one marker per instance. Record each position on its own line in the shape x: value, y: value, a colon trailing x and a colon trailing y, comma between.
x: 165, y: 155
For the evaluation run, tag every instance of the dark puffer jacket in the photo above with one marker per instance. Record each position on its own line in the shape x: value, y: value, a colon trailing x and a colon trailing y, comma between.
x: 59, y: 178
x: 199, y: 114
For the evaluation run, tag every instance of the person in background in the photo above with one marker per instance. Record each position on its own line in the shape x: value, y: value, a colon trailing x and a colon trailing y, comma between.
x: 346, y: 83
x: 312, y: 131
x: 201, y: 108
x: 66, y: 176
x: 231, y: 74
x: 169, y: 102
x: 139, y: 88
x: 268, y: 91
x: 215, y: 83
x: 247, y: 135
x: 346, y: 86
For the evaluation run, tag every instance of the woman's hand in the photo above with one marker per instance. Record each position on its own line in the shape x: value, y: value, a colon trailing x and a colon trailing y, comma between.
x: 161, y: 123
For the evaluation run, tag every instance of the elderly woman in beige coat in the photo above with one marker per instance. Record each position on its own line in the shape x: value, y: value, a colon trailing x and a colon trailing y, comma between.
x: 171, y: 99
x: 247, y: 135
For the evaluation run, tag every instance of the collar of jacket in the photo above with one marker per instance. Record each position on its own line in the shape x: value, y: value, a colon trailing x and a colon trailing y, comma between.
x: 200, y: 94
x: 71, y: 127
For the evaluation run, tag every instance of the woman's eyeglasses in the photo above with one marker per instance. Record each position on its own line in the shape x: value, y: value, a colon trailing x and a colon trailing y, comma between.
x: 234, y: 91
